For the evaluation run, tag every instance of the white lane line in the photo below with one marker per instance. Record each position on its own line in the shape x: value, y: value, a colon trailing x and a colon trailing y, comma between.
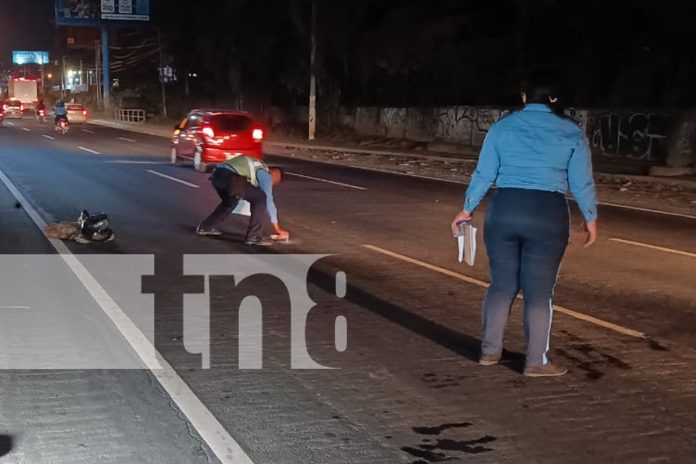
x: 647, y: 210
x: 89, y: 150
x: 461, y: 182
x: 126, y: 139
x: 9, y: 123
x: 26, y: 129
x: 137, y: 162
x: 49, y: 137
x: 209, y: 428
x: 356, y: 187
x: 88, y: 131
x: 183, y: 182
x: 15, y: 307
x: 481, y: 283
x: 654, y: 247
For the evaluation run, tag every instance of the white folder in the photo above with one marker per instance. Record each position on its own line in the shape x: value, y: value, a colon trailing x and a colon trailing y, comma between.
x: 466, y: 241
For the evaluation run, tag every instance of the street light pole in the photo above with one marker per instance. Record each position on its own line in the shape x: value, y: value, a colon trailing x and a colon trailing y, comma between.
x: 313, y: 76
x: 161, y: 72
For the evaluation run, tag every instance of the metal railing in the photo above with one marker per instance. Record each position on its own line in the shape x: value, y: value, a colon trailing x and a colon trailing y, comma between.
x: 130, y: 115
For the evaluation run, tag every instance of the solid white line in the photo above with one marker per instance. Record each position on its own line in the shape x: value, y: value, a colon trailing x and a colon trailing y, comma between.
x: 137, y: 162
x: 481, y: 283
x: 356, y: 187
x: 88, y: 131
x: 647, y: 210
x: 209, y: 428
x: 49, y: 137
x: 654, y: 247
x: 89, y: 150
x: 26, y: 129
x: 15, y: 307
x: 126, y: 140
x: 183, y: 182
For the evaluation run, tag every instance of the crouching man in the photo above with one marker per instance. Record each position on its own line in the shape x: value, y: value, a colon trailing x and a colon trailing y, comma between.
x: 247, y: 178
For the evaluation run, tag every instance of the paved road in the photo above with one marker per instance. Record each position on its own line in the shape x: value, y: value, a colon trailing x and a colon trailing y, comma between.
x: 408, y: 389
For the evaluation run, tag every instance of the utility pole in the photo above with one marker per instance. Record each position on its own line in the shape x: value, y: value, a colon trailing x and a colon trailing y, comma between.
x: 63, y: 83
x: 105, y: 68
x: 96, y: 70
x: 313, y: 75
x: 161, y: 72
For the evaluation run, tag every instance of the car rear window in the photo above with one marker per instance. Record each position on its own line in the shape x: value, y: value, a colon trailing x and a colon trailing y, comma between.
x: 14, y: 103
x: 231, y: 122
x: 75, y: 107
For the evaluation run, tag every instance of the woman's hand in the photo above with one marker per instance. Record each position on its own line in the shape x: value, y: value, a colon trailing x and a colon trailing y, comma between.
x: 591, y: 229
x: 463, y: 216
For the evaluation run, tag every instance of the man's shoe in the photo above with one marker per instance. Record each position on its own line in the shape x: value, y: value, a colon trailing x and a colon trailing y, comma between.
x: 258, y: 241
x: 489, y: 359
x: 544, y: 370
x: 208, y: 231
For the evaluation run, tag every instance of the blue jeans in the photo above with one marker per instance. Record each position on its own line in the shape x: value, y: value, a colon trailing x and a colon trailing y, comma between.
x: 526, y: 233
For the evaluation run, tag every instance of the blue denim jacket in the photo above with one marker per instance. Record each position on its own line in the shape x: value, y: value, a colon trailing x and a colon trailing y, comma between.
x: 535, y: 149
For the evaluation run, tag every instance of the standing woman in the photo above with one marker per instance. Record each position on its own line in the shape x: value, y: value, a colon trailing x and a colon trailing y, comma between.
x: 534, y: 156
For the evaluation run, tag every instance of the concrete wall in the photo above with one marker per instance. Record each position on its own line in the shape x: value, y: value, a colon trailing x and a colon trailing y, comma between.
x: 616, y: 136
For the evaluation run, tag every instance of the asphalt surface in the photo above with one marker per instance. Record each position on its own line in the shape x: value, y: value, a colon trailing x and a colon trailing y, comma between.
x: 407, y: 389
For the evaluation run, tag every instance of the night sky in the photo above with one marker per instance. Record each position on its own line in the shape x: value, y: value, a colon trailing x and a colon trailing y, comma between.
x: 25, y: 25
x: 399, y: 52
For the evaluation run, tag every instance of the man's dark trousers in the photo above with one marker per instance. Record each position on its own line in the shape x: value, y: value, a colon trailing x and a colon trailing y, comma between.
x: 230, y: 187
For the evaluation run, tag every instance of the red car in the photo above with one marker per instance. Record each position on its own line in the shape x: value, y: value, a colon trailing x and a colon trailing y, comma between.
x: 208, y: 137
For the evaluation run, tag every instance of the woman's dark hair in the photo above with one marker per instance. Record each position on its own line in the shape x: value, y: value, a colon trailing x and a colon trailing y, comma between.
x: 542, y: 89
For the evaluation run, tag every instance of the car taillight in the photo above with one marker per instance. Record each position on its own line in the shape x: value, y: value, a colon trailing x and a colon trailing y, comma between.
x: 84, y: 112
x: 208, y: 131
x: 257, y: 134
x: 21, y: 107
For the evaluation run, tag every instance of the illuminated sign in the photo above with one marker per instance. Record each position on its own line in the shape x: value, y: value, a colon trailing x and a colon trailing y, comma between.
x: 29, y: 57
x: 99, y: 12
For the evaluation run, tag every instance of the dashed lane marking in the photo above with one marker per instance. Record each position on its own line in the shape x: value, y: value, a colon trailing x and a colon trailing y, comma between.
x: 356, y: 187
x: 173, y: 179
x: 654, y: 247
x: 568, y: 312
x: 89, y: 150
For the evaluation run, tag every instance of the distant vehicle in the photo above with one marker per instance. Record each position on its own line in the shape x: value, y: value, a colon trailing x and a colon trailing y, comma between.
x: 13, y: 109
x: 24, y: 90
x: 2, y: 114
x: 76, y: 112
x: 210, y: 136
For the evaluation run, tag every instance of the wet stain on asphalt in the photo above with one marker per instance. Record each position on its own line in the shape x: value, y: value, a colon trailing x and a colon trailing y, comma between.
x: 436, y: 382
x: 588, y: 358
x: 440, y: 428
x: 446, y: 449
x: 587, y: 366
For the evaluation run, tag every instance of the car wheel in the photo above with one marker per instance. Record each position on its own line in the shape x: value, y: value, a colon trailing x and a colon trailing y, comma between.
x: 198, y: 163
x: 174, y: 159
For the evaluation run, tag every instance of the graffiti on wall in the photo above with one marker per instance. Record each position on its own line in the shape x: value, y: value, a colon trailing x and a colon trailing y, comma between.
x: 635, y: 136
x: 465, y: 124
x: 393, y: 122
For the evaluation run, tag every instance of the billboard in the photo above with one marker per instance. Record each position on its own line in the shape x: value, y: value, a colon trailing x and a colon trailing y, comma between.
x: 100, y: 12
x: 24, y: 57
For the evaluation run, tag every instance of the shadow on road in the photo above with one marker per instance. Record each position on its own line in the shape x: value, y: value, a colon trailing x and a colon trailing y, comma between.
x: 6, y: 444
